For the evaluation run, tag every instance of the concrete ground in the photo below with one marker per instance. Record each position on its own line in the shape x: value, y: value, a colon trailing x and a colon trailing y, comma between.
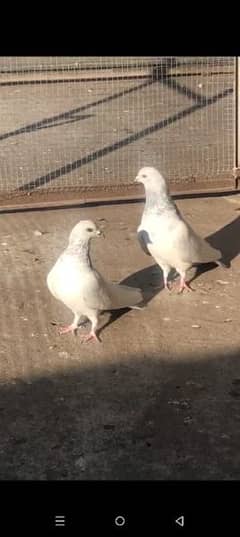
x: 159, y: 398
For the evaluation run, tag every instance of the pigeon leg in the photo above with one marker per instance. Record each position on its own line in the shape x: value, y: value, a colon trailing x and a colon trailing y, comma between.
x: 92, y: 334
x: 71, y: 327
x: 166, y: 269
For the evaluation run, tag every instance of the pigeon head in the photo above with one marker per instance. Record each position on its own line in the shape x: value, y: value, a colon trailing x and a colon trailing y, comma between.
x: 84, y: 231
x: 151, y: 179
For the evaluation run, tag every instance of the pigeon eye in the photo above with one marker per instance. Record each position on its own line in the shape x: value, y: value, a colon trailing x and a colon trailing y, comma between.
x: 144, y: 176
x: 89, y: 229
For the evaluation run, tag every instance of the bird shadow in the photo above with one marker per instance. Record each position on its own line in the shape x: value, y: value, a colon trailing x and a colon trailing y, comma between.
x: 149, y: 280
x: 225, y: 239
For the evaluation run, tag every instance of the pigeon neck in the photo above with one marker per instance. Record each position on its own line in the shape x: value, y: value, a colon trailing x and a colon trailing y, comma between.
x: 157, y: 199
x: 80, y: 249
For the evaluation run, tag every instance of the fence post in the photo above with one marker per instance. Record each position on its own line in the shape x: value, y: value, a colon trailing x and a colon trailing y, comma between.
x: 237, y: 122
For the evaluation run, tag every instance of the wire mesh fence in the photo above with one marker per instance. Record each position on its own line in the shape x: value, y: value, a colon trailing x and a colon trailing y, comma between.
x: 90, y: 122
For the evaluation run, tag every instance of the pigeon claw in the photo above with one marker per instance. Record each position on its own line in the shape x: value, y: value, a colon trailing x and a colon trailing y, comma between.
x: 90, y: 337
x: 184, y: 285
x: 67, y: 329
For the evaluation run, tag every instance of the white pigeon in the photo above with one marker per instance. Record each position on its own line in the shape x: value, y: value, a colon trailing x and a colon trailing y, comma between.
x: 75, y: 282
x: 164, y: 234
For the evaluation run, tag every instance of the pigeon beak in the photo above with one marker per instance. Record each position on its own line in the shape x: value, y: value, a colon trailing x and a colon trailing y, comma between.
x: 136, y: 180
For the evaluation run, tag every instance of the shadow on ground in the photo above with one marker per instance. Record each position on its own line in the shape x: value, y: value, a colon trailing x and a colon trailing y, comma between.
x: 147, y: 417
x: 149, y: 280
x: 226, y: 239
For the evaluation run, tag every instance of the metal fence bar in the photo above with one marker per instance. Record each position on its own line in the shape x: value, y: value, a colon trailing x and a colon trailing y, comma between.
x: 85, y: 125
x: 237, y: 121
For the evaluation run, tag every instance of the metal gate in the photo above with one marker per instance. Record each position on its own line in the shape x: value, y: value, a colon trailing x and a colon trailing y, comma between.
x: 81, y: 127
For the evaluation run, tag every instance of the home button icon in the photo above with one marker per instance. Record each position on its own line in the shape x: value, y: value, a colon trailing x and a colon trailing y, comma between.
x: 120, y: 520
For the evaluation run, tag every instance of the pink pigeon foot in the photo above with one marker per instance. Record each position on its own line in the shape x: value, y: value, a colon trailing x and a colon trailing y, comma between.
x: 66, y: 329
x: 89, y: 337
x: 184, y: 285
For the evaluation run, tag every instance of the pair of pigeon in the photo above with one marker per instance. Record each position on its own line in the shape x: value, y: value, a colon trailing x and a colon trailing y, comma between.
x: 163, y: 233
